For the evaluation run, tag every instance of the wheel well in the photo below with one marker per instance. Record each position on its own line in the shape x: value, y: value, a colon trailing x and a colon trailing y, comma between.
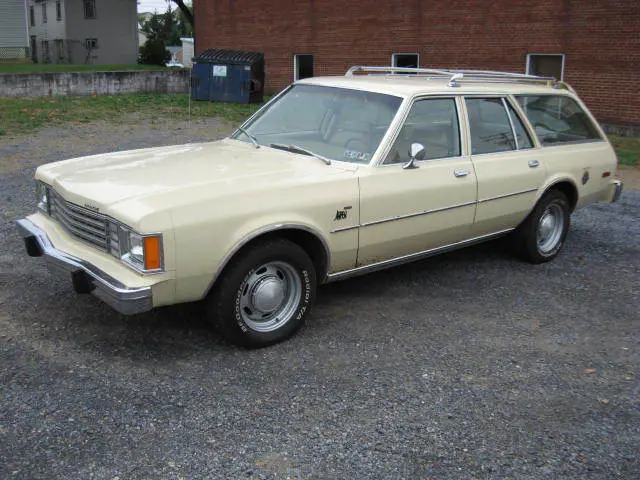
x: 569, y: 190
x: 310, y: 243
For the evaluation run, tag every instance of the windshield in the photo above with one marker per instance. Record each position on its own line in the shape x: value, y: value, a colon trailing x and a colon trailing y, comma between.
x: 335, y: 123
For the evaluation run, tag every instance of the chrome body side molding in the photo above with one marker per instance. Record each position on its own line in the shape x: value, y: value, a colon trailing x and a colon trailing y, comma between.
x: 392, y: 262
x: 402, y: 217
x: 427, y: 212
x: 507, y: 195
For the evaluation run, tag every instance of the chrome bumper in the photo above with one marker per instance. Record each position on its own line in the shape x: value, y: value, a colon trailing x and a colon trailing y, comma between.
x: 85, y: 277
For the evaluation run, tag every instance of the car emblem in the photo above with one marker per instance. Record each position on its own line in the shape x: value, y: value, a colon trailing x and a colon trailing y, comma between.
x: 93, y: 208
x: 585, y: 177
x: 340, y: 215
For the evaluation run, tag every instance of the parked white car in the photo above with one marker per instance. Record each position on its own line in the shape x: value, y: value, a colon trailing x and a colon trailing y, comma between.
x: 334, y: 177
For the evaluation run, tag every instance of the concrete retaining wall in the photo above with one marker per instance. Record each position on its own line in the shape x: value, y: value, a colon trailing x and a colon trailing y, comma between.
x: 88, y: 83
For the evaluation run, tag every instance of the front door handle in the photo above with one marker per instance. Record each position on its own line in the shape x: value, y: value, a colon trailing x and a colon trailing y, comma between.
x: 534, y: 163
x: 463, y: 172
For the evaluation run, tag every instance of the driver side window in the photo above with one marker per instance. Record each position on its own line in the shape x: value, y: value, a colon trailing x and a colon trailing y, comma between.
x: 433, y: 123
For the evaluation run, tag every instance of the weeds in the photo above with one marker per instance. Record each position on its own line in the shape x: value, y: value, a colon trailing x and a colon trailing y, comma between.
x: 24, y: 115
x: 627, y: 149
x: 27, y: 67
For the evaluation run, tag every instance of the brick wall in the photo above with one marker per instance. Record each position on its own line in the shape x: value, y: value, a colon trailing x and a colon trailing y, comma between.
x: 600, y: 38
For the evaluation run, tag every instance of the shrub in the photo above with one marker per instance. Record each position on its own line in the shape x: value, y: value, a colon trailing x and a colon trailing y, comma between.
x: 154, y: 52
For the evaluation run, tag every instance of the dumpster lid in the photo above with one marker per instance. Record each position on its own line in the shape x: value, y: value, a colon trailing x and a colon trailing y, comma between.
x: 229, y: 57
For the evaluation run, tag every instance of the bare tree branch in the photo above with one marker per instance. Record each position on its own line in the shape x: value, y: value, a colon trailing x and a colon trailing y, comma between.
x: 186, y: 11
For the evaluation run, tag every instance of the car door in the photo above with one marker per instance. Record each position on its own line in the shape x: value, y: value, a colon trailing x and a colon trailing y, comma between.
x: 406, y: 211
x: 509, y: 167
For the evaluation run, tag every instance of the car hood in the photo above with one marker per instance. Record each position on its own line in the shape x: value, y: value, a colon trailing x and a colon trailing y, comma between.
x: 102, y: 181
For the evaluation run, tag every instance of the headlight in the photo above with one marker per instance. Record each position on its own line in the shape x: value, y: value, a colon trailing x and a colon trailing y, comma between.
x: 142, y: 252
x: 42, y: 192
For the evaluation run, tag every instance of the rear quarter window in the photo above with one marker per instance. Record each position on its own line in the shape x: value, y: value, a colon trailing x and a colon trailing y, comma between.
x: 558, y: 119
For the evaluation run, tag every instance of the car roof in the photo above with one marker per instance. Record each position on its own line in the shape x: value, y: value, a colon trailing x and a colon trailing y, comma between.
x: 412, y: 85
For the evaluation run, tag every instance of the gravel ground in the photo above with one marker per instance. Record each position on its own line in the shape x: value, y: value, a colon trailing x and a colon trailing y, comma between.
x: 468, y: 365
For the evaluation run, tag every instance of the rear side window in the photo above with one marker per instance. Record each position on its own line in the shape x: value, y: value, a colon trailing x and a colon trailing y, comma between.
x: 490, y: 126
x: 558, y: 119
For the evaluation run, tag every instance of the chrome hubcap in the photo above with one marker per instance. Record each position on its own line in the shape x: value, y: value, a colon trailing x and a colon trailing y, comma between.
x: 550, y: 228
x: 270, y: 296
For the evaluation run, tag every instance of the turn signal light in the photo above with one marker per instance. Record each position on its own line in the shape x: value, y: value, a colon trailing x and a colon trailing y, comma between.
x: 152, y: 253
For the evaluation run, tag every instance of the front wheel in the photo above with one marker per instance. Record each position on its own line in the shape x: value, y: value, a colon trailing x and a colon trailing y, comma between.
x: 542, y: 234
x: 264, y: 295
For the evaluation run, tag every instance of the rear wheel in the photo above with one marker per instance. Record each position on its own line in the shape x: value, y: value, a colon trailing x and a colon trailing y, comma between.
x: 264, y: 295
x: 542, y: 234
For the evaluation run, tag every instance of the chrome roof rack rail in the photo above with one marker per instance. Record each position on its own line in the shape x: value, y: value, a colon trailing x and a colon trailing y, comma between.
x: 456, y: 77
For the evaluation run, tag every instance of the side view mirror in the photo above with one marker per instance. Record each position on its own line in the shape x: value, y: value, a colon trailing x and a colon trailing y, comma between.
x: 416, y: 152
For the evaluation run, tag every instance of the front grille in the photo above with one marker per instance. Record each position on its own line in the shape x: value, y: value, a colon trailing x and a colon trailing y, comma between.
x: 82, y: 223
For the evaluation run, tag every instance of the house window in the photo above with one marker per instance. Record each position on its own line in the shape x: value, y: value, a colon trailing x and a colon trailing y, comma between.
x: 59, y: 47
x: 58, y: 11
x: 44, y: 13
x: 302, y: 66
x: 45, y: 51
x: 91, y: 43
x: 32, y: 16
x: 89, y: 8
x: 34, y: 49
x: 546, y: 65
x: 406, y: 60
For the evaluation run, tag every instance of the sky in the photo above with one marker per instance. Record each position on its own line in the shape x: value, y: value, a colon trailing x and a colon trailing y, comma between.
x: 151, y: 5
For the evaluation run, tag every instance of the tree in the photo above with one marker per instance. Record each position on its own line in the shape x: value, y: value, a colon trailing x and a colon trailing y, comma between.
x: 168, y: 27
x: 184, y: 24
x: 158, y: 30
x: 159, y: 26
x: 187, y: 12
x: 154, y: 52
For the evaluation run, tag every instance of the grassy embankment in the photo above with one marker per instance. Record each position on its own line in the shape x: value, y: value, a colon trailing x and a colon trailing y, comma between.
x: 28, y: 67
x: 627, y: 149
x: 26, y: 115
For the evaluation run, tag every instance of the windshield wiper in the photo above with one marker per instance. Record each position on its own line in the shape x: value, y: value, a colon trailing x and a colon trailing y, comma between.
x: 296, y: 148
x: 253, y: 139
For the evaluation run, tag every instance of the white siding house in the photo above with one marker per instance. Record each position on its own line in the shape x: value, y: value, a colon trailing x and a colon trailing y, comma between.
x: 99, y: 32
x: 14, y: 41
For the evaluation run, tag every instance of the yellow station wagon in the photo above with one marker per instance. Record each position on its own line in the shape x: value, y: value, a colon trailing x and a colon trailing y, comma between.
x: 334, y: 177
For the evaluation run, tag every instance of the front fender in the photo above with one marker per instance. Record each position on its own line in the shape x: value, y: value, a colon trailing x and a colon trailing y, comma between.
x: 209, y: 234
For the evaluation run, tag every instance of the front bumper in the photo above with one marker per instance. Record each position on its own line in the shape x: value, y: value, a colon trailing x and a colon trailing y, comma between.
x: 85, y: 277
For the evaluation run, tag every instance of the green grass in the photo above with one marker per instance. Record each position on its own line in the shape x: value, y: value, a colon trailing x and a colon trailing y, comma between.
x: 26, y: 115
x: 627, y: 149
x: 26, y: 67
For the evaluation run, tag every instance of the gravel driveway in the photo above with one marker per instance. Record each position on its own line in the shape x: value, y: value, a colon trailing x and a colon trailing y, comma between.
x: 468, y: 365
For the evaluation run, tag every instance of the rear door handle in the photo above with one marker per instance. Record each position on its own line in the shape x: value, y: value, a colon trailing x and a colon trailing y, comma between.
x: 463, y: 172
x: 534, y: 163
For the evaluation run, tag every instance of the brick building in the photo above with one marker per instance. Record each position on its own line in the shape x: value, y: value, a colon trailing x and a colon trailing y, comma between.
x: 594, y: 45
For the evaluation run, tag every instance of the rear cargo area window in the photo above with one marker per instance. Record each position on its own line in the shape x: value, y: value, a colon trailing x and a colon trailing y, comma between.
x: 558, y: 119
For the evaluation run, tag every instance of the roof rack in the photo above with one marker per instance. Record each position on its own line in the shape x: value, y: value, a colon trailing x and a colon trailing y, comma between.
x: 457, y: 76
